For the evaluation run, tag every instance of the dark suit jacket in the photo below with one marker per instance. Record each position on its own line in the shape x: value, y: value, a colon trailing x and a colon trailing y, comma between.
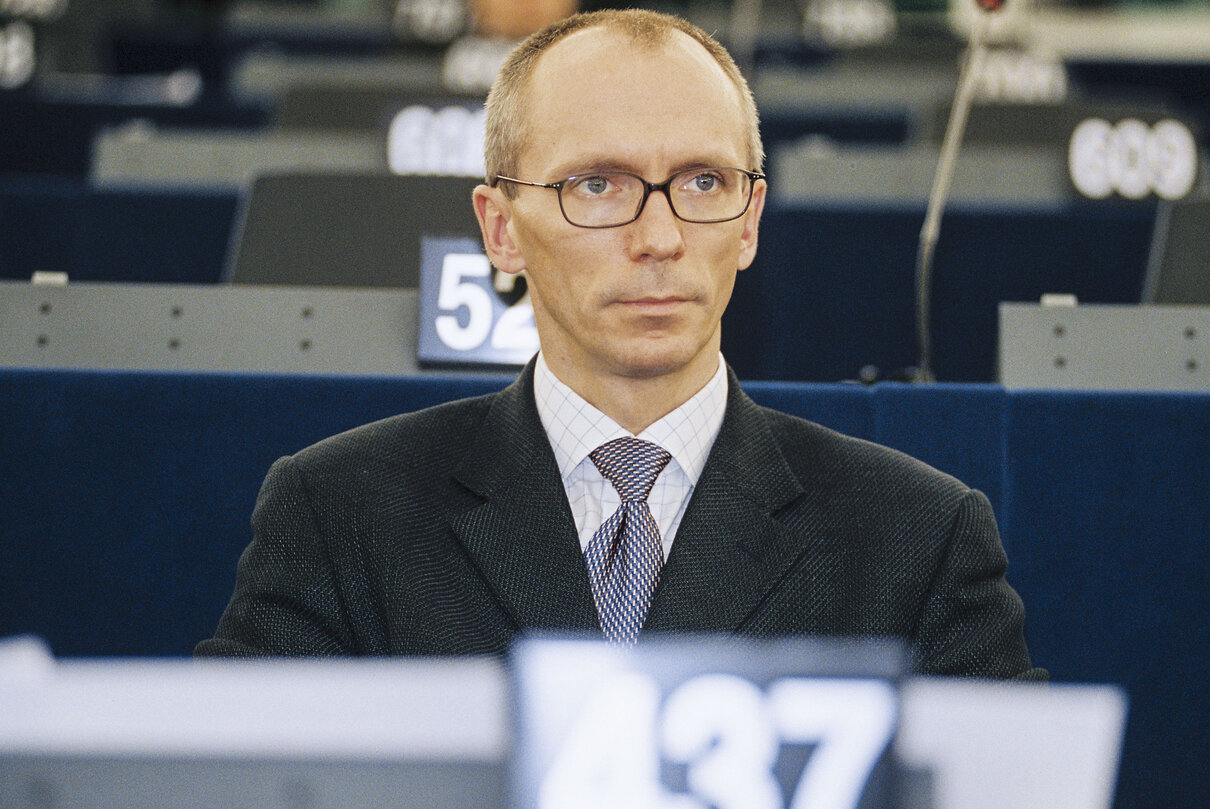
x: 447, y: 531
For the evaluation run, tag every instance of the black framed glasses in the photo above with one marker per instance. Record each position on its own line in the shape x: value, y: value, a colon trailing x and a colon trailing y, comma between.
x: 610, y: 199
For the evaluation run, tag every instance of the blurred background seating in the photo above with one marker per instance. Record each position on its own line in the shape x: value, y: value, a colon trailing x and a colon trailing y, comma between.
x: 187, y: 103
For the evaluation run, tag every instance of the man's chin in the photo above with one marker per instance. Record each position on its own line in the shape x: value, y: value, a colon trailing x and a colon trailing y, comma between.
x: 651, y: 359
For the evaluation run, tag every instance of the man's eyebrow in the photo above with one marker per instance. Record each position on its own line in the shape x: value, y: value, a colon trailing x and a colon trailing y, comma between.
x: 708, y: 163
x: 574, y: 168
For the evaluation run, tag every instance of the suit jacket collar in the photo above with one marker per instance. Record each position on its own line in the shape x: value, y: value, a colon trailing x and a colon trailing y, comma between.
x: 522, y: 535
x: 729, y: 550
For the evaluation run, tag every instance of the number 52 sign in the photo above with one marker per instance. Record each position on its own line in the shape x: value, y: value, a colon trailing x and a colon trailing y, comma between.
x: 468, y: 317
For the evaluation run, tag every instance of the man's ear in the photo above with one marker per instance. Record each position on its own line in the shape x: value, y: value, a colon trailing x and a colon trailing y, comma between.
x: 493, y: 210
x: 747, y: 250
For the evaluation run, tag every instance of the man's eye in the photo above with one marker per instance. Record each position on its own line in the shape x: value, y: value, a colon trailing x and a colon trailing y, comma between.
x: 704, y: 182
x: 592, y: 186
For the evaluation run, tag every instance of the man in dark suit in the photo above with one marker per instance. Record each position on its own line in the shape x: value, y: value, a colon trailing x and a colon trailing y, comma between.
x: 623, y: 164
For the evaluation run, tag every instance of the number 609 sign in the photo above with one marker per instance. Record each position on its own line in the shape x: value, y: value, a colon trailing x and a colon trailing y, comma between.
x: 468, y: 316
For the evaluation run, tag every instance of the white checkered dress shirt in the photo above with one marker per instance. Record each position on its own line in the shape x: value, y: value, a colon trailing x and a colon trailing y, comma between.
x: 575, y: 428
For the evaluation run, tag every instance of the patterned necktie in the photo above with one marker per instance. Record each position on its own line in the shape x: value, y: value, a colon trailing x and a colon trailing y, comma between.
x: 625, y: 555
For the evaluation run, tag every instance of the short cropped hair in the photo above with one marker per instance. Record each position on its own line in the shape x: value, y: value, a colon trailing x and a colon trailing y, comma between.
x: 507, y: 126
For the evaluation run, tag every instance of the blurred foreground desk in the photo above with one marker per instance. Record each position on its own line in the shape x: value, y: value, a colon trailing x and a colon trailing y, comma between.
x: 413, y: 734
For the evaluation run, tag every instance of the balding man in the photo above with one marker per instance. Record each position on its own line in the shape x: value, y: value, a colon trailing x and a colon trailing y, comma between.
x: 624, y: 484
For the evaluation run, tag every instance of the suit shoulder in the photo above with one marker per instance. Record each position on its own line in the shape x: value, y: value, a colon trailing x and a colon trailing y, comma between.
x: 813, y: 450
x: 421, y: 436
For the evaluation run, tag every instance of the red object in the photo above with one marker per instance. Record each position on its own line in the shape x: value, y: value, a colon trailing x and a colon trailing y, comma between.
x: 990, y: 5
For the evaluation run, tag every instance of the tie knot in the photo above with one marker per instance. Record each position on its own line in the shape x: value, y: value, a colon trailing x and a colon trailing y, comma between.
x: 631, y: 465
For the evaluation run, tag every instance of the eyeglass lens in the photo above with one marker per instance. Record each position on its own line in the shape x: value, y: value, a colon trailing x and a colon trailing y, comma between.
x: 605, y: 199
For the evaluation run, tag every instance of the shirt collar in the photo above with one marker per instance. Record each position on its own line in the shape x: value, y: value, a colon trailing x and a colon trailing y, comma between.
x: 575, y: 427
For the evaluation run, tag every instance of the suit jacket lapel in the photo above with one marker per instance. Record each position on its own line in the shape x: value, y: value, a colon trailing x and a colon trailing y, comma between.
x: 729, y: 551
x: 522, y: 536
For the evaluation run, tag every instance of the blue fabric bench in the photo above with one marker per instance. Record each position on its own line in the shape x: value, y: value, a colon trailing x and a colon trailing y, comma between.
x: 833, y: 286
x: 125, y: 499
x: 46, y: 134
x: 93, y: 234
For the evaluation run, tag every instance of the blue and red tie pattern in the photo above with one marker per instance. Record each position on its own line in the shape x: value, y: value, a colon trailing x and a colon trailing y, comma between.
x: 625, y: 554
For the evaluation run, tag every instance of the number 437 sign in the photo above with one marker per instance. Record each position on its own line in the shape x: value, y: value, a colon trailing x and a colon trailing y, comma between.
x: 699, y: 727
x: 469, y: 313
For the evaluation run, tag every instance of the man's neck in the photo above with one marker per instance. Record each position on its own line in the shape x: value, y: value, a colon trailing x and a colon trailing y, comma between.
x: 636, y: 402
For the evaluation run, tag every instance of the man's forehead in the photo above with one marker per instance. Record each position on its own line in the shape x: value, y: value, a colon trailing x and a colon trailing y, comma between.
x: 601, y: 46
x: 604, y: 66
x: 599, y: 98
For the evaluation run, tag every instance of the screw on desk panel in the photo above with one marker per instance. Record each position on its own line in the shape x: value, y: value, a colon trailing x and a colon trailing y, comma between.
x: 1060, y: 330
x: 1060, y: 362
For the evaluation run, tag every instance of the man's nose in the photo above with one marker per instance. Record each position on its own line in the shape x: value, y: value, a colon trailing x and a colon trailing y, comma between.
x: 657, y: 233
